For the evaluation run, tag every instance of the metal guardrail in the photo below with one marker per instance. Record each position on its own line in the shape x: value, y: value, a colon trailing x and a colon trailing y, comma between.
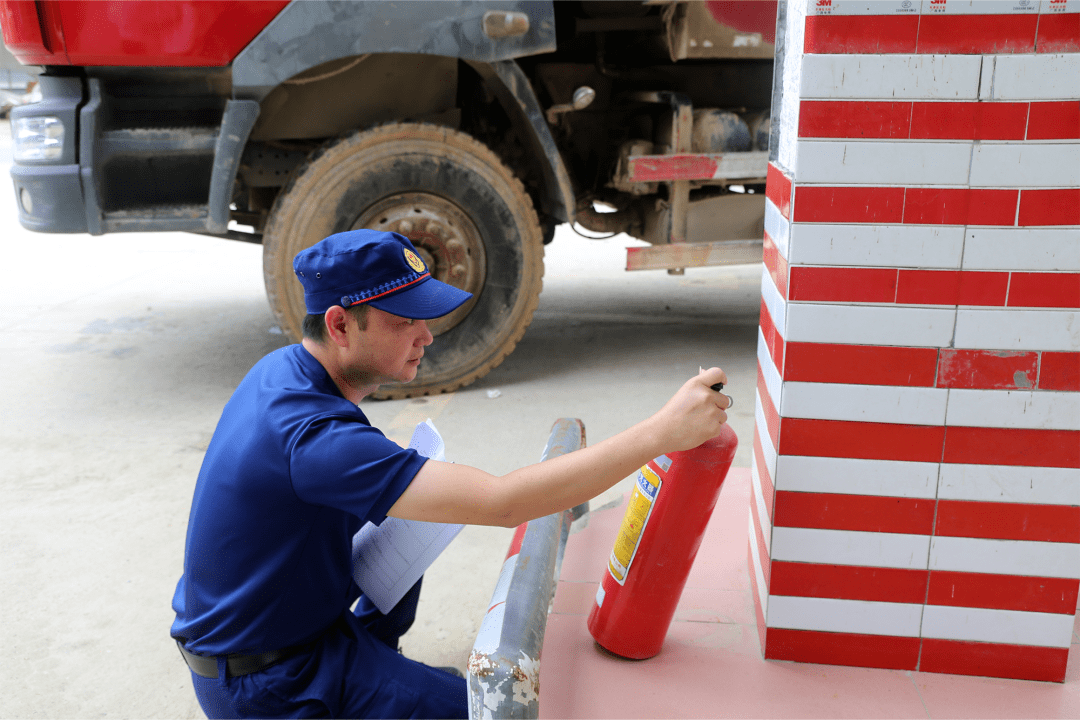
x: 504, y: 665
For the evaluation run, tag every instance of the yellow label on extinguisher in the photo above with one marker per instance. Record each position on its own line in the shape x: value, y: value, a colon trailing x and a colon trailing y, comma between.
x: 638, y: 510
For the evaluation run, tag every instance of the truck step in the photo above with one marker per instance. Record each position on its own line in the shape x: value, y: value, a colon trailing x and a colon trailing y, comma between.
x: 159, y: 141
x: 174, y: 218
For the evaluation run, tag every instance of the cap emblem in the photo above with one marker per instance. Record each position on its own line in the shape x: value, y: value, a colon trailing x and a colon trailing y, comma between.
x: 414, y: 262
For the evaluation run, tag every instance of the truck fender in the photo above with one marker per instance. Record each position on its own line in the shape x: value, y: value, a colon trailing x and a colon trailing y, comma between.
x: 510, y: 84
x: 236, y: 124
x: 308, y: 33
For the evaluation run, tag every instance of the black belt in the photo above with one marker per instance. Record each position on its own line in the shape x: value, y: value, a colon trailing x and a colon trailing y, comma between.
x: 207, y: 666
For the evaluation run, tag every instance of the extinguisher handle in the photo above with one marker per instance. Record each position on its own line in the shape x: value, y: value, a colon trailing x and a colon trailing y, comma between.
x: 720, y: 386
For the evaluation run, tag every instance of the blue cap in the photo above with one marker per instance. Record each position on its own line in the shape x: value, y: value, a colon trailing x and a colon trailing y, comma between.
x: 381, y: 269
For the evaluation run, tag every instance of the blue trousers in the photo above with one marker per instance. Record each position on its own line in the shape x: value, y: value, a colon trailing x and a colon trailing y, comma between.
x: 354, y: 671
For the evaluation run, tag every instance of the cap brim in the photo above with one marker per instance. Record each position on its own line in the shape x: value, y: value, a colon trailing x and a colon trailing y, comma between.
x: 423, y: 301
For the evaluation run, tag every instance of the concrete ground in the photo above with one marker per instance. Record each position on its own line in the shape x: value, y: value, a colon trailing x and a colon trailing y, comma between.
x: 117, y: 354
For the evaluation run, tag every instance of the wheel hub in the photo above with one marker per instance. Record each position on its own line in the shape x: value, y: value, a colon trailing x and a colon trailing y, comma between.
x: 445, y: 238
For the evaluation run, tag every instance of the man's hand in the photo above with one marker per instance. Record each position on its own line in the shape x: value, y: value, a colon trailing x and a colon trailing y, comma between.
x: 694, y: 414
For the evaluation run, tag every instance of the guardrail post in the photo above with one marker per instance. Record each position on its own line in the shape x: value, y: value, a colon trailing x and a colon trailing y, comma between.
x: 504, y: 665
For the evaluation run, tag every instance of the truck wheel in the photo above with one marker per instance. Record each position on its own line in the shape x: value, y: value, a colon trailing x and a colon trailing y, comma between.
x: 468, y: 216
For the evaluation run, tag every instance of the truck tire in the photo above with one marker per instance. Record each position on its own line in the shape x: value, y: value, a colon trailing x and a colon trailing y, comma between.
x: 468, y: 216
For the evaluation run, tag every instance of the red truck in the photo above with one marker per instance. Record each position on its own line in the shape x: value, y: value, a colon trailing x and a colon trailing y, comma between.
x: 474, y: 128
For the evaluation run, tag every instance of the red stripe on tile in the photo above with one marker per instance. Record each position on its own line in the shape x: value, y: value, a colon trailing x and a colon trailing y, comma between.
x: 854, y: 119
x: 976, y: 34
x: 773, y: 339
x: 768, y: 408
x: 1050, y: 290
x: 968, y: 120
x: 858, y: 513
x: 768, y: 489
x: 1050, y: 207
x: 759, y: 612
x: 1058, y: 33
x: 843, y: 284
x: 1054, y: 120
x: 951, y: 287
x: 861, y: 33
x: 849, y: 204
x: 960, y: 206
x: 869, y: 441
x: 1005, y: 521
x: 983, y: 288
x: 861, y: 364
x: 778, y: 189
x: 987, y: 369
x: 776, y: 265
x: 1010, y: 446
x: 998, y: 592
x: 848, y: 582
x: 1060, y: 371
x: 811, y: 646
x: 1021, y: 662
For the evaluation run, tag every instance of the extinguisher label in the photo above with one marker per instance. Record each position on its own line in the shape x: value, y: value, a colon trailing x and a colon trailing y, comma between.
x: 638, y: 510
x: 663, y: 462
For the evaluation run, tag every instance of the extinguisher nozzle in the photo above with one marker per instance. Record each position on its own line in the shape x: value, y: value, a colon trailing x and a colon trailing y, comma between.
x: 717, y: 387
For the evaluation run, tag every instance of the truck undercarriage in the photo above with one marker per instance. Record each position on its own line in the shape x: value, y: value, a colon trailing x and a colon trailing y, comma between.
x: 472, y: 128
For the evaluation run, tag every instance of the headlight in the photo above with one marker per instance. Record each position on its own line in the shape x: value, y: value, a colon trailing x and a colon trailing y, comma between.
x: 38, y: 138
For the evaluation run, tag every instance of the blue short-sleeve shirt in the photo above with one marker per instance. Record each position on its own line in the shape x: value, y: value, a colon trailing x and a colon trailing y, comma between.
x: 291, y: 474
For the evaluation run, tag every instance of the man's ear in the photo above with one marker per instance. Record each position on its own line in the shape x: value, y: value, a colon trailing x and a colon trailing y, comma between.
x: 337, y: 323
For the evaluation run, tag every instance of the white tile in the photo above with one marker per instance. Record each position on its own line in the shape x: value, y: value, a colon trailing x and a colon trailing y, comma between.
x: 1025, y: 165
x: 774, y: 301
x: 891, y: 77
x: 864, y: 403
x: 1006, y: 483
x: 849, y: 616
x: 1040, y: 409
x: 777, y: 226
x: 854, y: 476
x: 1005, y: 557
x: 1011, y: 627
x: 986, y: 78
x: 988, y: 7
x: 865, y: 7
x: 767, y: 444
x: 1036, y: 77
x: 769, y: 371
x: 883, y: 163
x: 849, y: 547
x: 1001, y: 329
x: 870, y: 325
x: 913, y: 246
x: 1022, y: 249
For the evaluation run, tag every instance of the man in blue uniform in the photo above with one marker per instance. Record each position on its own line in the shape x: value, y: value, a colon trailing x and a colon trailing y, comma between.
x: 294, y: 470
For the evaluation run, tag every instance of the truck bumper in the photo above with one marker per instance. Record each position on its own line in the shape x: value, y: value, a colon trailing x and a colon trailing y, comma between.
x: 48, y: 192
x: 49, y: 198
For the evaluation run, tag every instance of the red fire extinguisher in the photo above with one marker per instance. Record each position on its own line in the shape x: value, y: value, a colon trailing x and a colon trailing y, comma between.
x: 669, y: 508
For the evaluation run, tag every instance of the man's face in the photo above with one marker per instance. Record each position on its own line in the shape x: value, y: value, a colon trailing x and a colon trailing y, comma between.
x: 388, y: 350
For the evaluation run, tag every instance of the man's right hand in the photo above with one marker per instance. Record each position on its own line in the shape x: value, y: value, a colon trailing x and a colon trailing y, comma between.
x: 694, y: 414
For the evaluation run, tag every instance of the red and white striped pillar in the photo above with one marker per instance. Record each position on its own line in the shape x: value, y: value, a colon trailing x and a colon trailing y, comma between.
x: 916, y: 466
